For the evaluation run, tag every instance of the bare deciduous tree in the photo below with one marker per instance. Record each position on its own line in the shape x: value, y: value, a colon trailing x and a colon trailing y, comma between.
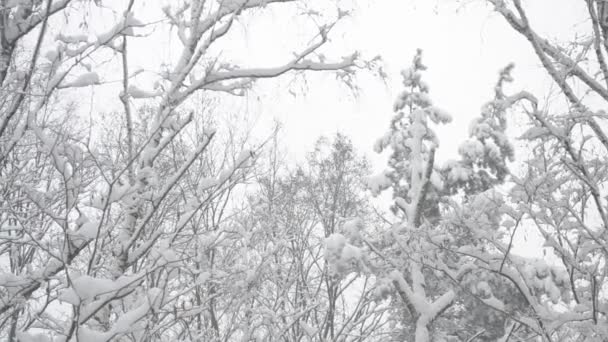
x: 108, y: 234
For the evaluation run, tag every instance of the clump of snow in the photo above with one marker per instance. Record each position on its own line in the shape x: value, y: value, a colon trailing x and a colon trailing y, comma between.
x: 207, y: 183
x: 244, y: 159
x: 471, y: 149
x: 341, y: 255
x: 483, y: 289
x: 401, y: 100
x: 30, y: 337
x: 209, y: 131
x: 10, y: 280
x: 69, y: 296
x: 130, y: 20
x: 352, y: 229
x: 378, y: 183
x: 139, y: 93
x: 410, y: 76
x: 457, y: 171
x: 402, y: 203
x: 98, y: 200
x: 439, y: 115
x: 309, y: 330
x: 225, y: 175
x: 382, y: 289
x: 72, y: 39
x: 89, y: 230
x: 118, y: 191
x: 51, y: 55
x: 382, y: 143
x: 147, y: 176
x: 436, y: 180
x: 203, y: 278
x: 88, y: 288
x: 535, y: 132
x: 163, y: 251
x: 543, y: 278
x: 492, y: 149
x: 83, y: 80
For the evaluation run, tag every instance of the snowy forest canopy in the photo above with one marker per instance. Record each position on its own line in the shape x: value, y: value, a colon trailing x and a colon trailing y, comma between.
x: 136, y: 204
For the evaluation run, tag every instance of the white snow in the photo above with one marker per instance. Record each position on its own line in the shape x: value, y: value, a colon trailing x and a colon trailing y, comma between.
x: 471, y: 149
x: 139, y: 93
x: 535, y: 132
x: 378, y: 183
x: 206, y: 183
x: 30, y: 337
x: 87, y: 287
x: 309, y: 330
x: 88, y: 230
x: 83, y: 80
x: 439, y: 115
x: 244, y: 159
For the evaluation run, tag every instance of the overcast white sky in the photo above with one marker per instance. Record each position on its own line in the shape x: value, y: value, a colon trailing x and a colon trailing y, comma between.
x: 464, y: 47
x: 464, y: 42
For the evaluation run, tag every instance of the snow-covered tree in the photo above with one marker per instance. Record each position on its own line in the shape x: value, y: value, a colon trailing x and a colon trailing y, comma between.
x: 299, y: 296
x: 110, y: 215
x: 416, y: 184
x: 557, y: 195
x: 560, y: 193
x: 438, y: 260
